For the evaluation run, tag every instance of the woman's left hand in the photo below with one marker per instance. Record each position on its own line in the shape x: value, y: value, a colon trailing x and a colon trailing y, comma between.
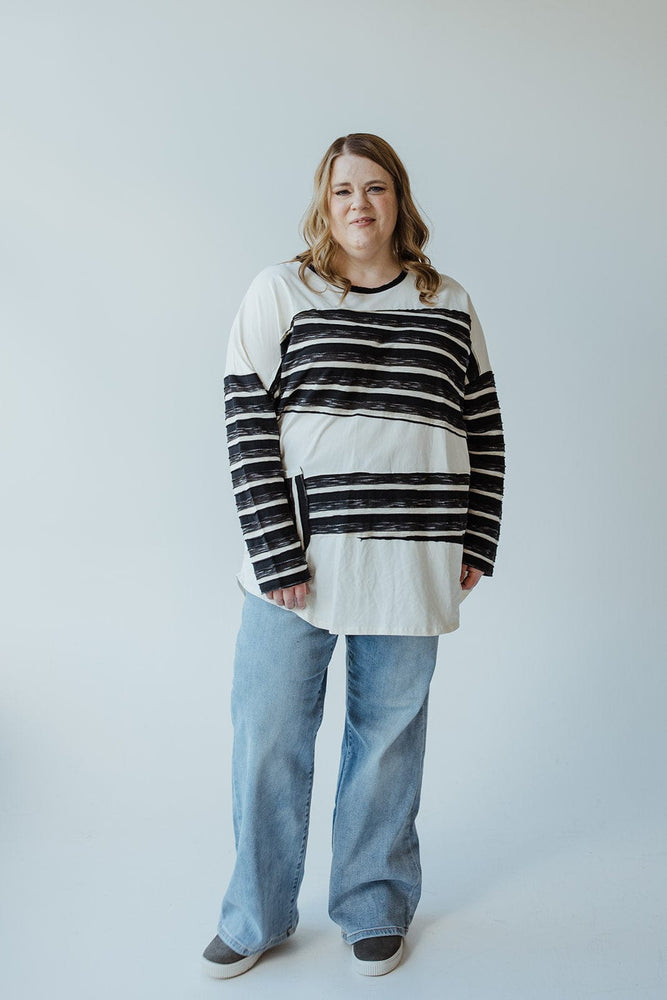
x: 290, y: 597
x: 470, y: 577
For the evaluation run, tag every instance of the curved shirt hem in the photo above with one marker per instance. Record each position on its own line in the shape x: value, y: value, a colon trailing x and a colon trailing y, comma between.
x: 377, y: 629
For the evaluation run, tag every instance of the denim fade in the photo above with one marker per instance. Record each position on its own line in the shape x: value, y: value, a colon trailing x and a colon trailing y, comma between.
x: 280, y: 672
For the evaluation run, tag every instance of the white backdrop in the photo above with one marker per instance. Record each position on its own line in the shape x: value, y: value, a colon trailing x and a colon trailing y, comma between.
x: 156, y: 155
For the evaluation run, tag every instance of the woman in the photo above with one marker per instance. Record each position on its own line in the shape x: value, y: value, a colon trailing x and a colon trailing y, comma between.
x: 366, y: 452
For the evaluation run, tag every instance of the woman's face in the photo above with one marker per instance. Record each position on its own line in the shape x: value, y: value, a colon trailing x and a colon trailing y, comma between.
x: 363, y: 208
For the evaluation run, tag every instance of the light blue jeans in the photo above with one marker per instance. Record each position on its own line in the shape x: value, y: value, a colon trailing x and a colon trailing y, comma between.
x: 280, y: 672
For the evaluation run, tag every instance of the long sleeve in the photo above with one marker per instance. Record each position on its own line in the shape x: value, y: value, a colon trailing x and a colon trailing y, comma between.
x: 253, y: 439
x: 486, y: 449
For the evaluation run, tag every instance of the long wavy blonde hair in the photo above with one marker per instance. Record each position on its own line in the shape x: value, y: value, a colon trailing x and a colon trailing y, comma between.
x: 410, y: 235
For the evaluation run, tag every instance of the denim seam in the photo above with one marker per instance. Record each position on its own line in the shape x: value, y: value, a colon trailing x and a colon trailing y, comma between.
x: 346, y: 736
x: 304, y: 840
x: 414, y: 895
x: 341, y: 776
x: 236, y: 806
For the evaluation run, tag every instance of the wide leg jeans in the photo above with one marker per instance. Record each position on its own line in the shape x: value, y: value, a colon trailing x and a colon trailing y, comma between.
x: 280, y: 672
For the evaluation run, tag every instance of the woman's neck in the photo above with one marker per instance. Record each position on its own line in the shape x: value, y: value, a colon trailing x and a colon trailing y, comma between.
x: 367, y: 274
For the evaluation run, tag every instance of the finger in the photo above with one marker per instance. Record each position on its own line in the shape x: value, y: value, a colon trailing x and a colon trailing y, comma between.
x: 290, y: 597
x: 300, y: 592
x: 472, y: 578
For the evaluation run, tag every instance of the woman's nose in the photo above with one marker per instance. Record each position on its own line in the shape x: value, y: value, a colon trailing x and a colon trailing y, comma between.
x: 360, y: 198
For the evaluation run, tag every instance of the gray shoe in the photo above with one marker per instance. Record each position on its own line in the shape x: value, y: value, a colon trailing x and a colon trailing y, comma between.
x: 221, y: 962
x: 377, y: 956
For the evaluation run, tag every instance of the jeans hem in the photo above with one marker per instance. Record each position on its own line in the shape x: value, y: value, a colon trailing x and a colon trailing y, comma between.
x: 370, y: 932
x: 238, y: 946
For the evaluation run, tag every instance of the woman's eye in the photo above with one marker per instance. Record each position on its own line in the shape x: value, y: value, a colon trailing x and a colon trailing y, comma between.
x: 376, y: 188
x: 343, y: 191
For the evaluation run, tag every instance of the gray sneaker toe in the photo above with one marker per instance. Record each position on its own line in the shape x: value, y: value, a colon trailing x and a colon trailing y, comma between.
x: 222, y: 962
x: 377, y: 956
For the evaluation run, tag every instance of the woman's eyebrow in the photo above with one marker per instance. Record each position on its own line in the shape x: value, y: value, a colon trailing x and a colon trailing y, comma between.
x: 347, y: 183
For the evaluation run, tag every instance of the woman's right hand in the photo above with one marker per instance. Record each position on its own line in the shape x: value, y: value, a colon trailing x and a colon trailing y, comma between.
x: 290, y: 597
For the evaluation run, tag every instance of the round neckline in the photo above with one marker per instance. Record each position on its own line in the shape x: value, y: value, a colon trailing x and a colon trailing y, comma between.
x: 373, y: 291
x: 380, y: 288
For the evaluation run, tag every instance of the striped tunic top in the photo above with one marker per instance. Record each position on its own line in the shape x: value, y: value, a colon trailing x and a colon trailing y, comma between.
x: 366, y: 449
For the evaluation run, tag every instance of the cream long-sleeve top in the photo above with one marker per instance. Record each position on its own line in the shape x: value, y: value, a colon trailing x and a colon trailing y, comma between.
x: 366, y: 449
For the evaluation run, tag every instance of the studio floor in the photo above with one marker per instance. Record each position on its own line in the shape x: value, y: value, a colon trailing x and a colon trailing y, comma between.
x: 574, y: 918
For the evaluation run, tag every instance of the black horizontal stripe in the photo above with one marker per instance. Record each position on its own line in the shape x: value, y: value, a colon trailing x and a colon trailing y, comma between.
x: 457, y: 315
x: 480, y: 382
x: 368, y: 379
x: 285, y: 570
x: 482, y: 423
x: 255, y: 495
x: 452, y: 321
x: 278, y: 512
x: 486, y: 508
x: 249, y: 385
x: 243, y: 383
x: 455, y: 537
x: 472, y: 558
x: 272, y: 539
x: 483, y: 492
x: 246, y: 425
x: 237, y: 406
x: 344, y: 522
x: 246, y: 474
x: 372, y: 499
x: 488, y: 513
x: 387, y: 478
x: 247, y: 450
x: 326, y: 349
x: 487, y: 483
x: 479, y: 447
x: 378, y: 404
x: 494, y: 461
x: 476, y: 542
x: 329, y: 344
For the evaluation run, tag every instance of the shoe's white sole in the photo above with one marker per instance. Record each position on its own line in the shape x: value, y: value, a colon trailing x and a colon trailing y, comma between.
x: 378, y: 968
x: 220, y: 971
